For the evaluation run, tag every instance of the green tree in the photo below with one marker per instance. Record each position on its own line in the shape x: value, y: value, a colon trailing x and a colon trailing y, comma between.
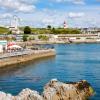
x: 25, y: 38
x: 27, y: 30
x: 31, y: 38
x: 76, y: 31
x: 9, y: 32
x: 43, y: 37
x: 53, y: 31
x: 49, y: 27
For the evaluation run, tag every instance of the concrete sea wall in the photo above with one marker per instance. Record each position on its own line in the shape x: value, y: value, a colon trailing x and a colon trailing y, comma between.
x: 28, y: 57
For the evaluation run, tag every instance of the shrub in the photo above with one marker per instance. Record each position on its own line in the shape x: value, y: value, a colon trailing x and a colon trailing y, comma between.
x: 27, y: 30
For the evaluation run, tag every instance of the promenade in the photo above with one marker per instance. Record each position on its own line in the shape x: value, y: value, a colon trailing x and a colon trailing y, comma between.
x: 13, y: 54
x: 12, y: 58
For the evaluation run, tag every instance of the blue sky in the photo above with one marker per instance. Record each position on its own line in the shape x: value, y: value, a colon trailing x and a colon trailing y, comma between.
x: 40, y: 13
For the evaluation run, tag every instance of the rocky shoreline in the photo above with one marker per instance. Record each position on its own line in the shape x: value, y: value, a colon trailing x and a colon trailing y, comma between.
x: 55, y: 90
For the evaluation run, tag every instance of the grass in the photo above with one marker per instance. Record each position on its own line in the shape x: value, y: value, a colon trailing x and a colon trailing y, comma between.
x: 3, y: 30
x: 45, y: 30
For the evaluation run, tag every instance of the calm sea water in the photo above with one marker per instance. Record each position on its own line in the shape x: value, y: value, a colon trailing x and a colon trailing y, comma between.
x: 73, y: 62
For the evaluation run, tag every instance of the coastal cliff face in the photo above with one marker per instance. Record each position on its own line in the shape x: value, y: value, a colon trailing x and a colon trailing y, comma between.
x: 55, y: 90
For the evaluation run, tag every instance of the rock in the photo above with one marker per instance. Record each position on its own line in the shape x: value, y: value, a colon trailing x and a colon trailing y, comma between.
x: 4, y: 96
x: 26, y: 94
x: 56, y: 90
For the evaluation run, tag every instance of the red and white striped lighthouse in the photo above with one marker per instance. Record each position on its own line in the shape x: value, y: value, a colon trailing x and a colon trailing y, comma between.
x: 65, y: 25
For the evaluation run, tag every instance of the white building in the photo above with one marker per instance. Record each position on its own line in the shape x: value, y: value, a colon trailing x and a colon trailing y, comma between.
x: 90, y: 30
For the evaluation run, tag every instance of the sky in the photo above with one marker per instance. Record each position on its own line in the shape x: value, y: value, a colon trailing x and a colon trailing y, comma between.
x: 40, y: 13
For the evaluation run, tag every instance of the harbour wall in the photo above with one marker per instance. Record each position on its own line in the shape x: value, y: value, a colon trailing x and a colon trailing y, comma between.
x: 25, y: 58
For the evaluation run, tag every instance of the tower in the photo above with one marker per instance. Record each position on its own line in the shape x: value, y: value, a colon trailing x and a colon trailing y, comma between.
x: 65, y: 25
x: 14, y: 25
x: 14, y: 22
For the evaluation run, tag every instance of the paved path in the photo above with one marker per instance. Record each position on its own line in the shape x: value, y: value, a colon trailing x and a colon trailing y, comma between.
x: 24, y: 52
x: 12, y: 54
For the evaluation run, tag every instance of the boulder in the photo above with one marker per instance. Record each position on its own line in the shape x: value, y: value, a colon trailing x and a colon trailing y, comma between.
x: 25, y: 94
x: 56, y: 90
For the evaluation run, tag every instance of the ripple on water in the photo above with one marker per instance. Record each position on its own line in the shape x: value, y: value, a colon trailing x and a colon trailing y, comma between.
x: 72, y: 63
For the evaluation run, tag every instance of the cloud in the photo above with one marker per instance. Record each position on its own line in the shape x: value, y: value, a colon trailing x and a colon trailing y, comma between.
x: 46, y: 17
x: 43, y: 15
x: 5, y: 19
x: 78, y: 2
x: 17, y: 5
x: 56, y: 18
x: 48, y: 21
x: 29, y: 1
x: 76, y: 15
x: 5, y: 15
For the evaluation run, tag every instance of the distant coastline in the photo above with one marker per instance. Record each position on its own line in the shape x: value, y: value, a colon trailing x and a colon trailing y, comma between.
x: 56, y: 42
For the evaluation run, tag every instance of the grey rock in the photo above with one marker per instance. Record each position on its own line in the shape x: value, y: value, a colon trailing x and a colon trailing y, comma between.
x: 55, y: 90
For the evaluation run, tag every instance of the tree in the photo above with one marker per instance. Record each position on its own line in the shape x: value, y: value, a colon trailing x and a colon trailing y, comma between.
x: 25, y: 38
x: 49, y: 26
x: 9, y: 32
x: 31, y: 38
x: 27, y: 30
x: 53, y: 31
x: 43, y: 37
